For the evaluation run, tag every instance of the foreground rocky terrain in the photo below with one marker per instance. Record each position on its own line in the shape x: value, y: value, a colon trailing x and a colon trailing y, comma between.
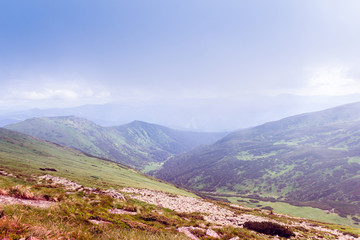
x: 154, y: 211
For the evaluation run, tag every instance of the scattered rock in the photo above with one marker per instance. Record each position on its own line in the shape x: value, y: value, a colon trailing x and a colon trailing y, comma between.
x: 98, y: 222
x: 212, y: 212
x: 35, y: 203
x: 234, y: 238
x: 212, y: 233
x: 187, y: 232
x: 114, y: 194
x: 6, y: 174
x: 216, y: 214
x: 32, y: 238
x: 120, y: 211
x: 67, y: 184
x: 73, y: 186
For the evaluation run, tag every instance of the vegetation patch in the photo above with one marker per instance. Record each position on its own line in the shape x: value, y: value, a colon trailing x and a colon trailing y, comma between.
x: 156, y: 217
x: 269, y: 228
x: 191, y: 216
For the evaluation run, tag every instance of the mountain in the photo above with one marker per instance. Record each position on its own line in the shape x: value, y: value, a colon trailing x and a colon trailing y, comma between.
x: 138, y: 144
x: 24, y: 155
x: 49, y: 191
x: 311, y: 159
x: 217, y: 114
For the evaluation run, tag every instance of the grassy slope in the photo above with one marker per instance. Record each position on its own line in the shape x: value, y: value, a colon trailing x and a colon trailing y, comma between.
x: 24, y: 155
x: 303, y: 212
x: 311, y: 157
x: 69, y: 219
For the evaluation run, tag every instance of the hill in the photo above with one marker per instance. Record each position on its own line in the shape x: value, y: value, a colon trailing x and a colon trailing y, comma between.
x: 49, y: 191
x: 141, y: 145
x: 309, y: 159
x: 21, y: 154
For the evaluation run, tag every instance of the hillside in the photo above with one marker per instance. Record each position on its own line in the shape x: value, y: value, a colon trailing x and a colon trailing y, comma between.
x: 310, y: 159
x: 52, y: 192
x: 141, y: 145
x: 26, y: 155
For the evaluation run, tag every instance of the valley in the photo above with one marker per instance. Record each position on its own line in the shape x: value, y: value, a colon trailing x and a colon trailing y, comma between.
x: 49, y: 191
x: 305, y: 160
x: 141, y: 145
x: 305, y: 166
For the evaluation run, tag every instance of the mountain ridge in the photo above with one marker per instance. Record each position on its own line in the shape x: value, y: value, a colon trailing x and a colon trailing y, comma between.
x: 137, y: 144
x: 308, y: 157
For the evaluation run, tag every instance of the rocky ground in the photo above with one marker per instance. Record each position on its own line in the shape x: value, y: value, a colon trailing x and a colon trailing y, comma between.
x: 35, y: 203
x: 216, y: 215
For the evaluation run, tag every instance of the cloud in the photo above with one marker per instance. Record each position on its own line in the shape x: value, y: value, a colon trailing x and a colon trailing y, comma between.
x: 46, y: 94
x: 58, y: 94
x: 332, y: 82
x: 53, y: 93
x: 322, y: 81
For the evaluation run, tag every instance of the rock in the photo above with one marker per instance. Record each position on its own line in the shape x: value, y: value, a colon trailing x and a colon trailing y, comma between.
x: 68, y: 185
x: 120, y: 211
x: 186, y: 231
x: 35, y: 203
x: 6, y: 174
x: 32, y: 238
x: 114, y: 194
x: 212, y: 233
x: 234, y: 238
x: 97, y: 222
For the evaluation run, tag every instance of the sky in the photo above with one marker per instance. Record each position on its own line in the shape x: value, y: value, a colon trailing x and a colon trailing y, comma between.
x: 209, y: 56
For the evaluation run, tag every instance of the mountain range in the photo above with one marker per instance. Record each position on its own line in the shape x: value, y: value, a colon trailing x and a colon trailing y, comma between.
x: 48, y: 191
x: 141, y: 145
x: 311, y: 159
x: 218, y: 114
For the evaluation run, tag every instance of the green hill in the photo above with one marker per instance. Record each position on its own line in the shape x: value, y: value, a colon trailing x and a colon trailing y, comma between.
x: 25, y: 155
x: 47, y: 209
x: 310, y: 159
x: 141, y: 145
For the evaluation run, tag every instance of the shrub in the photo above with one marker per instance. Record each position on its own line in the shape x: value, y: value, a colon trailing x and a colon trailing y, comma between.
x: 269, y: 228
x: 191, y: 216
x: 198, y: 233
x: 351, y: 234
x: 154, y: 217
x: 23, y: 192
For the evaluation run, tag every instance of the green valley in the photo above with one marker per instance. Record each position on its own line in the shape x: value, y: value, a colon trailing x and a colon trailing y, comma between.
x: 141, y: 145
x: 305, y: 160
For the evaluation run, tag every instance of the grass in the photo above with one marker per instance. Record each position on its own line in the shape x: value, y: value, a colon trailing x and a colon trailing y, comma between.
x: 354, y: 160
x: 303, y: 212
x: 71, y: 217
x: 70, y: 220
x: 152, y: 167
x: 23, y: 155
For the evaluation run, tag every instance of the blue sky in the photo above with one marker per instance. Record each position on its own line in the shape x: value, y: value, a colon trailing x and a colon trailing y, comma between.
x: 68, y: 53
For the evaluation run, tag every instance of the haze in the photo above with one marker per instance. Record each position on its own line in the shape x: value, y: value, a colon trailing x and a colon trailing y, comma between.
x: 204, y: 65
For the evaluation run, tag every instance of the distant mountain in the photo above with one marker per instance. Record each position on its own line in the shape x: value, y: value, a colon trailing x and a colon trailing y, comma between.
x: 138, y: 144
x: 218, y: 114
x: 305, y: 158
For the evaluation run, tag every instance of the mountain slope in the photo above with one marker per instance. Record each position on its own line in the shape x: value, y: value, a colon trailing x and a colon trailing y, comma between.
x: 307, y: 158
x: 137, y: 144
x: 25, y: 155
